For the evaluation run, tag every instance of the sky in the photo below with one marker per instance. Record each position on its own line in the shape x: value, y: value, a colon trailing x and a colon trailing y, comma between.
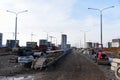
x: 55, y: 17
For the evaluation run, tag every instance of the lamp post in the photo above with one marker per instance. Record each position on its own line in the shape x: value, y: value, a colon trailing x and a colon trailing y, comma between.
x: 51, y: 38
x: 84, y: 39
x: 101, y: 11
x: 55, y: 40
x: 85, y: 36
x: 16, y: 13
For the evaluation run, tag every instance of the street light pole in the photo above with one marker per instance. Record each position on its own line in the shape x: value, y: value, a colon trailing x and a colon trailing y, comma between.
x: 85, y: 37
x: 15, y: 30
x: 51, y: 38
x: 16, y: 13
x: 55, y: 40
x: 101, y: 10
x: 101, y: 30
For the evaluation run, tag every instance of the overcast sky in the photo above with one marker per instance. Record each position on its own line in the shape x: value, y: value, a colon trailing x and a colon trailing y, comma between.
x: 56, y: 17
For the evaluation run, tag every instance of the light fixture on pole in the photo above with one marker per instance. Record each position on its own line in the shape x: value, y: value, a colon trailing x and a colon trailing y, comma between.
x: 101, y: 10
x: 16, y: 13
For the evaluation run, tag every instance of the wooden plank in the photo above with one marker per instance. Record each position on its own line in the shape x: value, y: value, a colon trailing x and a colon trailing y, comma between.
x: 39, y: 63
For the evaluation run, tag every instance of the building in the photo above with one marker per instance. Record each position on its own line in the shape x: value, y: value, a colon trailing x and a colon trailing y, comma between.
x: 43, y: 42
x: 31, y: 44
x: 109, y: 44
x: 68, y: 46
x: 49, y: 44
x: 43, y: 45
x: 63, y: 41
x: 88, y: 45
x: 11, y: 43
x: 95, y: 45
x: 1, y: 37
x: 59, y: 46
x: 115, y: 42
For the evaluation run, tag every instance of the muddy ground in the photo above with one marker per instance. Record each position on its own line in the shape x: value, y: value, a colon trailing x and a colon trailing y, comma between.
x: 75, y: 66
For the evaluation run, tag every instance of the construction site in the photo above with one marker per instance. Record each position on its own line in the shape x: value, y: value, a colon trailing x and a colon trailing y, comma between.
x: 70, y: 64
x: 59, y: 40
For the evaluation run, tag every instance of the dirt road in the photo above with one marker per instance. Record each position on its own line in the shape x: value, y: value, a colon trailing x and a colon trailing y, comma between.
x: 74, y: 67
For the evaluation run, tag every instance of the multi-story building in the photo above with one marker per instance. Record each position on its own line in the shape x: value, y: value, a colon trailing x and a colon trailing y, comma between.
x: 109, y: 44
x: 88, y: 45
x: 43, y: 45
x: 115, y: 42
x: 64, y: 41
x: 43, y: 42
x: 91, y: 45
x: 31, y: 44
x: 11, y: 43
x: 1, y: 39
x: 68, y: 45
x: 49, y: 44
x: 95, y: 45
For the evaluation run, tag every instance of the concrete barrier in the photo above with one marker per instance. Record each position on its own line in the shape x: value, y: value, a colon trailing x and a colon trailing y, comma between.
x: 52, y: 57
x: 115, y: 66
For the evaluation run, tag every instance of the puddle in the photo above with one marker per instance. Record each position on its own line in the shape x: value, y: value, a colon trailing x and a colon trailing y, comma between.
x: 17, y: 78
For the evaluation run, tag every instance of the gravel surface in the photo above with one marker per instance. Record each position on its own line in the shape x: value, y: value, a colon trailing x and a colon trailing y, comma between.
x: 74, y: 66
x: 105, y: 68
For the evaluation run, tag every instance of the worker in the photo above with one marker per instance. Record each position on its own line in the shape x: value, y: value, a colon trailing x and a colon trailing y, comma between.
x: 97, y: 51
x: 99, y: 55
x: 93, y: 51
x: 104, y: 56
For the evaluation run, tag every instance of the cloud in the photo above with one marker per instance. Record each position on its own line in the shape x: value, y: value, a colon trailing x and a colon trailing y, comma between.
x: 43, y: 15
x: 53, y: 17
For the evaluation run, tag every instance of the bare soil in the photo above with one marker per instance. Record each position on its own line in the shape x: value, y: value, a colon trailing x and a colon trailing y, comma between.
x: 74, y: 66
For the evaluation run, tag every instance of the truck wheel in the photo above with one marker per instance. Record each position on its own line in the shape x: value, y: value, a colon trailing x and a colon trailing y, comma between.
x: 117, y: 72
